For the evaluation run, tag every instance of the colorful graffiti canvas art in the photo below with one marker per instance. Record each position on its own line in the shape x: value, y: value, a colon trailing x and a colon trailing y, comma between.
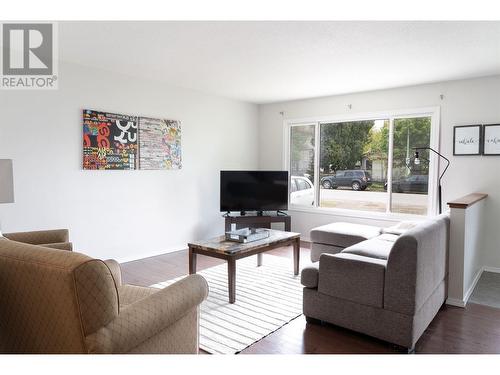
x: 109, y: 140
x: 159, y: 144
x: 124, y: 142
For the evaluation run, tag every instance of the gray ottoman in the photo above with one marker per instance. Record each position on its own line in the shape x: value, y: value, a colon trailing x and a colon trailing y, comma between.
x: 335, y: 237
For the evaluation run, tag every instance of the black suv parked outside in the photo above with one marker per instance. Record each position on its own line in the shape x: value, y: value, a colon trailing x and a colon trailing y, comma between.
x: 354, y: 178
x: 417, y: 183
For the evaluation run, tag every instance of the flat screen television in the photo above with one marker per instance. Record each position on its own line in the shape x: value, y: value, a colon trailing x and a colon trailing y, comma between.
x: 253, y: 191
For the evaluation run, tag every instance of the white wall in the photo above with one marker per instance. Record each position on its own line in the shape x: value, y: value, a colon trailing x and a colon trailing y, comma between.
x: 465, y: 102
x: 120, y: 214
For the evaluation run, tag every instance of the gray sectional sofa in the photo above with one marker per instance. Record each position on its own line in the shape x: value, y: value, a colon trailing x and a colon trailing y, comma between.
x: 389, y: 286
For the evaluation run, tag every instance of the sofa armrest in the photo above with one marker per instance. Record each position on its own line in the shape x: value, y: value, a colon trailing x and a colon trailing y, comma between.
x: 352, y: 277
x: 309, y: 277
x: 116, y: 270
x: 143, y: 319
x: 40, y: 237
x: 68, y: 246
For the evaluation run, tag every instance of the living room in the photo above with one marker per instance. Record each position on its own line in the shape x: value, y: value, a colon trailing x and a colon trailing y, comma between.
x: 248, y: 186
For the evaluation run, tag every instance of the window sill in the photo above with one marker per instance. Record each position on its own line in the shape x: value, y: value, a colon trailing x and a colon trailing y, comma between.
x: 384, y: 216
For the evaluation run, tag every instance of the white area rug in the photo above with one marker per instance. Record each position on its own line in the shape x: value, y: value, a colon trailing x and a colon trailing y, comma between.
x: 267, y: 298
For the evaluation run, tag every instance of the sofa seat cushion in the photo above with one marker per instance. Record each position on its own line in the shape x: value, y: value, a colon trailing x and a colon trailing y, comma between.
x: 309, y: 276
x: 378, y: 247
x: 343, y: 234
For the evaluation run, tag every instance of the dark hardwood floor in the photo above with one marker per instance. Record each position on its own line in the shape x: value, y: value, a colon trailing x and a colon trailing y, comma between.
x: 474, y: 329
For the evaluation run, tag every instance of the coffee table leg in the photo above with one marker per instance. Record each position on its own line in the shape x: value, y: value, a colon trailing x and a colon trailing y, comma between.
x: 192, y: 261
x: 231, y: 278
x: 296, y: 256
x: 259, y: 259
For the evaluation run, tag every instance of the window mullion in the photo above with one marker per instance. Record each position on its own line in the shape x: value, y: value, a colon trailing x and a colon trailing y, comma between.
x: 389, y: 165
x: 316, y: 164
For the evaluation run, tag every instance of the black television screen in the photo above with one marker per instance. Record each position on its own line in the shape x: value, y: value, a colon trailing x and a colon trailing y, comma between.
x: 253, y: 190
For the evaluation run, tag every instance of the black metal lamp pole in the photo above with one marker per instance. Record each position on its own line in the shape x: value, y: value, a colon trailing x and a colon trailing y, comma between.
x: 442, y: 174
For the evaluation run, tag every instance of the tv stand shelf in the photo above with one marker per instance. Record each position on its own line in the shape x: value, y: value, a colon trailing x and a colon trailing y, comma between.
x: 263, y: 221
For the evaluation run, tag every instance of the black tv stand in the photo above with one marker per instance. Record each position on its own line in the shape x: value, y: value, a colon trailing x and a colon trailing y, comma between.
x: 258, y: 221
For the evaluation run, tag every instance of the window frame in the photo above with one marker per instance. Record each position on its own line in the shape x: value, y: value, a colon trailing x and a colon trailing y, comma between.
x: 391, y: 115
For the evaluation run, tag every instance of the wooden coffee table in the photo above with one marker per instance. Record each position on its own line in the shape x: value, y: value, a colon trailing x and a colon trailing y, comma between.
x: 219, y: 247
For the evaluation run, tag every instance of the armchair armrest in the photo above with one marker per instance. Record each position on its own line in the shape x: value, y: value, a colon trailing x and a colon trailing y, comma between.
x: 115, y: 269
x: 40, y: 237
x: 144, y: 319
x: 68, y: 246
x: 352, y: 277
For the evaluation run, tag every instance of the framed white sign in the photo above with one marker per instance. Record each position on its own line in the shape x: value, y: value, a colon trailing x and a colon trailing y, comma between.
x: 467, y: 140
x: 491, y: 139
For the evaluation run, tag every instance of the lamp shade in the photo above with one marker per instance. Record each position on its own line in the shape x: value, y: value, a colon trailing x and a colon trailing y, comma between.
x: 6, y: 181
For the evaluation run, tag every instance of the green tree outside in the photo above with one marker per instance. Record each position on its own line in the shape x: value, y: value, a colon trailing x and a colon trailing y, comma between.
x: 359, y: 144
x: 345, y: 145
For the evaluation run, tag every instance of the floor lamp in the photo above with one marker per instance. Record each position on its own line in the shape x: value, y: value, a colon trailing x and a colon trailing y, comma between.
x: 417, y: 162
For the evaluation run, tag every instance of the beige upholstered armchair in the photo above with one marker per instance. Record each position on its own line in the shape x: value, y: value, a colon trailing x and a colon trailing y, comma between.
x: 54, y: 301
x: 55, y: 239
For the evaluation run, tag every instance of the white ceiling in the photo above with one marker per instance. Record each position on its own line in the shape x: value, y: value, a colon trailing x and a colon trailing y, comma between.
x: 265, y: 62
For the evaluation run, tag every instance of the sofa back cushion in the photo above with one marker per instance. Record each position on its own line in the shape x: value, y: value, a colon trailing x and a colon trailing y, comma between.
x: 45, y: 304
x: 342, y: 234
x: 378, y: 247
x: 353, y: 278
x: 40, y: 237
x: 416, y: 265
x: 97, y: 295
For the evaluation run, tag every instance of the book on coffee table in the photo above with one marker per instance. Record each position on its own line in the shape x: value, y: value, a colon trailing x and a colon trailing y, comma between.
x: 245, y: 235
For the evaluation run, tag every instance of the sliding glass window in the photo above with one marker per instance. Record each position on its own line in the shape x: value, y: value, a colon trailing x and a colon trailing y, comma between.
x: 353, y: 162
x: 410, y: 182
x: 302, y: 170
x: 353, y: 165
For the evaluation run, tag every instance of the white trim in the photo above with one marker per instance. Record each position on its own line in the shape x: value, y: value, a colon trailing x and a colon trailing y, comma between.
x: 379, y: 115
x: 455, y: 302
x: 317, y: 141
x: 284, y: 156
x: 395, y: 217
x: 473, y: 285
x: 433, y: 112
x: 491, y: 269
x: 463, y: 303
x: 434, y: 162
x: 390, y: 156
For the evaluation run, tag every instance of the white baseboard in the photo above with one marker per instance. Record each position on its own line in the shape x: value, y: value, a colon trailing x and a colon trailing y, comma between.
x: 150, y: 254
x: 491, y: 269
x: 463, y: 303
x: 455, y: 302
x: 473, y: 285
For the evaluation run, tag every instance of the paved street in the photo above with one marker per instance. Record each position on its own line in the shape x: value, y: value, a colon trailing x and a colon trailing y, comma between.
x: 373, y: 200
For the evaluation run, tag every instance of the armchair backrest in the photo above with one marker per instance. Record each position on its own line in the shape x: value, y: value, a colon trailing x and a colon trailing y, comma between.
x: 416, y: 265
x: 51, y: 299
